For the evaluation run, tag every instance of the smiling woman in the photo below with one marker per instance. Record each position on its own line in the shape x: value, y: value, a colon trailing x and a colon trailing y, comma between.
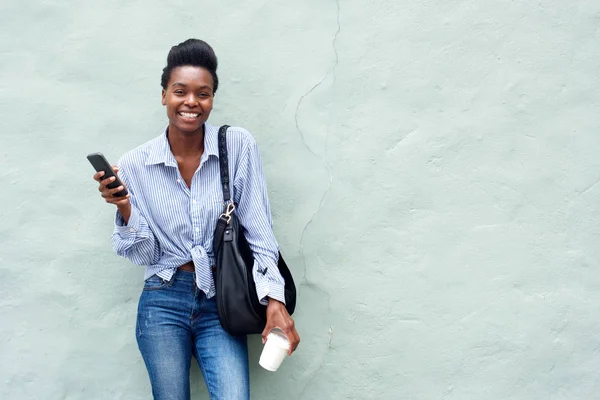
x: 188, y: 98
x: 166, y: 224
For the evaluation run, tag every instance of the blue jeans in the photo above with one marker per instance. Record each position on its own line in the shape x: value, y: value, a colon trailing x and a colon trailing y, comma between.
x: 175, y: 321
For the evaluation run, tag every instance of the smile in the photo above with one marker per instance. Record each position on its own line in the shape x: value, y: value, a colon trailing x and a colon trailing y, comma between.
x: 188, y: 115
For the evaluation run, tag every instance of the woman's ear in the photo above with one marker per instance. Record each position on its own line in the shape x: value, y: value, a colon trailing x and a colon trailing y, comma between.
x: 164, y: 97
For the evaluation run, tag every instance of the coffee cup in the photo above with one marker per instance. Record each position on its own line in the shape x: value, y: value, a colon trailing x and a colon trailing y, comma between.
x: 274, y: 351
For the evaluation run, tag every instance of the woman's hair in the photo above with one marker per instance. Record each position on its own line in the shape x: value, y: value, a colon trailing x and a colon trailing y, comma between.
x: 194, y: 52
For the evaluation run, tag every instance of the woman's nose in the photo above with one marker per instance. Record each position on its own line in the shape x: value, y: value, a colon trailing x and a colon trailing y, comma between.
x: 191, y: 100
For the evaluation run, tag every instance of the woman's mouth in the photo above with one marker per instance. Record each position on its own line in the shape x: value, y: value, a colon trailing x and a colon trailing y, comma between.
x: 188, y: 115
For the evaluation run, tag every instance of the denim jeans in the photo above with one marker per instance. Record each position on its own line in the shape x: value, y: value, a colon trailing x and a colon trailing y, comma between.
x: 175, y: 321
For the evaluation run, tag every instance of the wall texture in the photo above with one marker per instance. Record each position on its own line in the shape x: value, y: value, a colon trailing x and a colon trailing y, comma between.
x: 433, y: 170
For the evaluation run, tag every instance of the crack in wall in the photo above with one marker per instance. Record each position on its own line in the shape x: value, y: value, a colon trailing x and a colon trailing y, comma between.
x: 314, y: 374
x: 589, y: 187
x: 327, y: 166
x: 339, y: 28
x: 324, y: 158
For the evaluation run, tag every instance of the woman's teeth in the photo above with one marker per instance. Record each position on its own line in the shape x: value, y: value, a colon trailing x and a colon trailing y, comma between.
x: 189, y: 115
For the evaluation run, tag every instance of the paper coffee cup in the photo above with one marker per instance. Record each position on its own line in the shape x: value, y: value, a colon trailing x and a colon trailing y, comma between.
x: 275, y: 350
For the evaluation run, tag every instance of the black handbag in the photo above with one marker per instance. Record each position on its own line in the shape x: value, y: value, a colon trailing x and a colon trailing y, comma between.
x: 239, y: 309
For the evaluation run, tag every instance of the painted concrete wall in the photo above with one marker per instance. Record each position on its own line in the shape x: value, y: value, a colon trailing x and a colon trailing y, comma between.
x: 433, y: 170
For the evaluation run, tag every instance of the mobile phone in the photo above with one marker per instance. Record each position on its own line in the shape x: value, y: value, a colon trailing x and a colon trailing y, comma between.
x: 101, y: 164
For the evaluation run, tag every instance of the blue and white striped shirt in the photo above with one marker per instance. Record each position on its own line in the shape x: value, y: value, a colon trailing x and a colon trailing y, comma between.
x: 171, y: 224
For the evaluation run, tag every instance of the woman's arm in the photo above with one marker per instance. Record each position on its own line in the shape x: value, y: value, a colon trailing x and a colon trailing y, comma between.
x: 255, y: 216
x: 132, y: 237
x: 134, y: 240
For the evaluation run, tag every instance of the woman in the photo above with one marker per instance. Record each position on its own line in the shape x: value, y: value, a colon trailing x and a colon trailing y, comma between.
x: 166, y: 224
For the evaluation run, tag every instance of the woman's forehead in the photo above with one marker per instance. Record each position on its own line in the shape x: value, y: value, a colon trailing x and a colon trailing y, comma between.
x: 188, y: 75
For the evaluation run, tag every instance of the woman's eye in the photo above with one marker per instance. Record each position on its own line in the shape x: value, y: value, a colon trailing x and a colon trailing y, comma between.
x: 178, y: 92
x: 203, y: 94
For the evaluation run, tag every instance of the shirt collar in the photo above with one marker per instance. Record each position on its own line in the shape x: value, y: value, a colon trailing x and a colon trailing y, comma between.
x: 160, y: 151
x: 211, y: 140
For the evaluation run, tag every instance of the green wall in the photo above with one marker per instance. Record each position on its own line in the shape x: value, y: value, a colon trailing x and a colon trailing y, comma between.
x: 433, y: 170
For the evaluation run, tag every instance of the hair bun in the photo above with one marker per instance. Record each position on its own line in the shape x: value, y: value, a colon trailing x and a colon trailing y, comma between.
x: 194, y: 52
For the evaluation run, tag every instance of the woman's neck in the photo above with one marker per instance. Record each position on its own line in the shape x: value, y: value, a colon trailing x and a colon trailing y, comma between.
x: 186, y: 144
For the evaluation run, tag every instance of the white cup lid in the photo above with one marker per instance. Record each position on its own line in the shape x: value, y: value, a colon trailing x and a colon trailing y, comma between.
x: 279, y: 339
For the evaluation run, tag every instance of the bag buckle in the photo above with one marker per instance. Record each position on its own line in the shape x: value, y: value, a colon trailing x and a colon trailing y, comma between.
x: 228, y: 211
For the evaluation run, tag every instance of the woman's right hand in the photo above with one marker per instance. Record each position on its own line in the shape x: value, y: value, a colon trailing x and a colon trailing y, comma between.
x: 109, y: 194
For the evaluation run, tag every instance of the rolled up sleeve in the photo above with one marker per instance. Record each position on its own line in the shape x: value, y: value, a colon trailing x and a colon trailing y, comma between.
x: 134, y: 240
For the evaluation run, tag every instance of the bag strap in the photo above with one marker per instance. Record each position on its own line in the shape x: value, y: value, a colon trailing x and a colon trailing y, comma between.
x: 224, y: 168
x: 224, y: 163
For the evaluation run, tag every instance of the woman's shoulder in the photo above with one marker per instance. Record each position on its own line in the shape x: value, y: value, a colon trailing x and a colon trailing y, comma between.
x: 240, y: 136
x: 239, y: 140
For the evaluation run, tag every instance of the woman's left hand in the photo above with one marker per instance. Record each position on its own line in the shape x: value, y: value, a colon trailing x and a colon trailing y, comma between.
x: 278, y: 317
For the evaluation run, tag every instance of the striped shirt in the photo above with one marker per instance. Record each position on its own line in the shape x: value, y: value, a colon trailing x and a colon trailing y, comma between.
x: 172, y: 224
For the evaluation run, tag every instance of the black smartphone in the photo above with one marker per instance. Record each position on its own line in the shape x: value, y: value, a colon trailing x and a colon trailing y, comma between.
x: 101, y: 164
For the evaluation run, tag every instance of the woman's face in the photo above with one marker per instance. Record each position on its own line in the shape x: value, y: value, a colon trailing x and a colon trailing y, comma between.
x: 188, y: 98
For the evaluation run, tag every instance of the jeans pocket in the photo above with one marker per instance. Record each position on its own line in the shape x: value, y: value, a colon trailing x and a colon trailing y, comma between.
x: 155, y: 283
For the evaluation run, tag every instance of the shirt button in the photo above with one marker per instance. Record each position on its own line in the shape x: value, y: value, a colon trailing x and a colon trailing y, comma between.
x: 194, y: 201
x: 178, y: 180
x: 197, y: 230
x: 131, y: 230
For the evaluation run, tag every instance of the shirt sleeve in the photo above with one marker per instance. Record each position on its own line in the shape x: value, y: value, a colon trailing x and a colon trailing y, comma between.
x: 134, y: 240
x: 254, y: 212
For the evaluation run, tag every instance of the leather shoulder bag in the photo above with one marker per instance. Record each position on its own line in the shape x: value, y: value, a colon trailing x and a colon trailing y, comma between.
x: 239, y: 309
